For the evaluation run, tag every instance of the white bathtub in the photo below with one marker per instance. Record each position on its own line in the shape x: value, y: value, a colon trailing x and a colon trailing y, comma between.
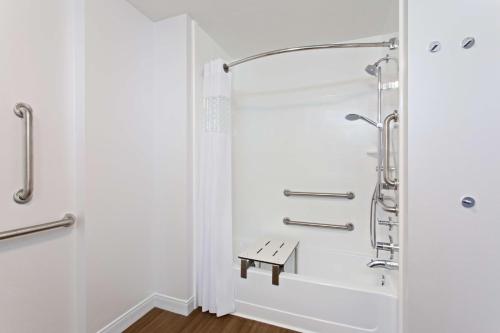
x: 344, y: 296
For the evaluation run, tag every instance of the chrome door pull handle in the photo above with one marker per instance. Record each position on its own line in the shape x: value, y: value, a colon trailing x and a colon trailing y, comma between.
x: 25, y: 194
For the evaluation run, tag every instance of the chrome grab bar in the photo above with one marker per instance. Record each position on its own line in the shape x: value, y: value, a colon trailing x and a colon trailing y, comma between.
x: 373, y: 217
x: 67, y: 221
x: 387, y: 151
x: 347, y: 195
x: 347, y: 226
x: 24, y: 195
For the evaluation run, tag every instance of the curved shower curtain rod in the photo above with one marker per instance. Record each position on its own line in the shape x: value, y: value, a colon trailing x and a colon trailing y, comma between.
x: 392, y: 44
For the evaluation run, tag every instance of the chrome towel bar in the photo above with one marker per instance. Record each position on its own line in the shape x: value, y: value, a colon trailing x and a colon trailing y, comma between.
x: 347, y: 195
x: 67, y: 221
x: 347, y: 226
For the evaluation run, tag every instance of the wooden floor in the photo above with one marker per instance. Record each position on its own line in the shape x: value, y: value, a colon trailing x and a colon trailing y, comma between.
x: 160, y: 321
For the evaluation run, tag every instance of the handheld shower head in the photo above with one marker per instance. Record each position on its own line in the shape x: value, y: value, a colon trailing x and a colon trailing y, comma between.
x: 355, y: 116
x: 352, y: 116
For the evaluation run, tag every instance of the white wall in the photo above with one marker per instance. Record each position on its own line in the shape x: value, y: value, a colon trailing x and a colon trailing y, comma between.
x: 37, y: 280
x: 138, y: 207
x: 453, y: 253
x: 173, y: 254
x: 129, y: 81
x: 120, y: 118
x: 290, y: 132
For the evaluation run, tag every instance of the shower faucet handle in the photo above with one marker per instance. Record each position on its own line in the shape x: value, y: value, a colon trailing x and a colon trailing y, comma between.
x: 389, y: 222
x: 390, y: 247
x: 386, y: 186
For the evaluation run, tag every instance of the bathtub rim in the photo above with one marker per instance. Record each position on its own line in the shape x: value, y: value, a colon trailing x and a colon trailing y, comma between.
x: 323, y: 282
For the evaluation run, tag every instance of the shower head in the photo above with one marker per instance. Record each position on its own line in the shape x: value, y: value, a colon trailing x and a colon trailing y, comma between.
x: 355, y: 116
x: 371, y: 69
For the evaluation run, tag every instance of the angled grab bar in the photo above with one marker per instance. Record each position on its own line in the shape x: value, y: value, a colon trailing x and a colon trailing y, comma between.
x: 25, y: 112
x: 387, y: 150
x: 67, y: 221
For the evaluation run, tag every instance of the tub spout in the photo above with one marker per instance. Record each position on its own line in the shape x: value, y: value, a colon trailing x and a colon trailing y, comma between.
x: 387, y: 264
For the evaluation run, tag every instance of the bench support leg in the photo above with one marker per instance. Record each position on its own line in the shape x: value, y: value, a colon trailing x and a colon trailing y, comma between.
x: 277, y: 269
x: 245, y: 264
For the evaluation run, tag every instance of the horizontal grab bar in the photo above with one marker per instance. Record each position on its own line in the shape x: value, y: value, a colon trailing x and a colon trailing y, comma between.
x: 347, y: 226
x: 67, y: 221
x: 347, y: 195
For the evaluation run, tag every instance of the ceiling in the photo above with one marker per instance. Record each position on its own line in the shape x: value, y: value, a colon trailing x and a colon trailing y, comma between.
x: 246, y: 27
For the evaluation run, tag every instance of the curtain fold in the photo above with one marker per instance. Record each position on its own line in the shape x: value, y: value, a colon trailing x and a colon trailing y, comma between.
x: 214, y: 280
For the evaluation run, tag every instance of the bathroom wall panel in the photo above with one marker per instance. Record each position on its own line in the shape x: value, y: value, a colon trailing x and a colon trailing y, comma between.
x: 173, y: 239
x: 452, y: 271
x: 119, y: 175
x: 37, y: 59
x: 139, y: 159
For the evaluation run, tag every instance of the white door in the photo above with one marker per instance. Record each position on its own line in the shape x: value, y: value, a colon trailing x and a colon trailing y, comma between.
x: 37, y: 278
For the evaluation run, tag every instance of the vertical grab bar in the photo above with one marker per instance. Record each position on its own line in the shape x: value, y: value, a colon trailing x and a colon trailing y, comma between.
x: 24, y: 195
x: 373, y: 217
x: 387, y: 151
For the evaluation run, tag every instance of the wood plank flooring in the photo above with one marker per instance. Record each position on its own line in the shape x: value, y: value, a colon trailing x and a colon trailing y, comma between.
x: 160, y: 321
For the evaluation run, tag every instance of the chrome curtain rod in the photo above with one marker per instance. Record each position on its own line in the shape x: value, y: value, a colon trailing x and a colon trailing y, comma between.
x: 392, y: 44
x: 67, y: 221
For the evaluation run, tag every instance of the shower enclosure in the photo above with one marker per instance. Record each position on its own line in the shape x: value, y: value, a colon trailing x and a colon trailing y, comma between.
x: 302, y: 172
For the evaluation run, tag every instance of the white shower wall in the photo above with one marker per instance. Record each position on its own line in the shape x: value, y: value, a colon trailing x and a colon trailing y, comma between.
x: 290, y: 132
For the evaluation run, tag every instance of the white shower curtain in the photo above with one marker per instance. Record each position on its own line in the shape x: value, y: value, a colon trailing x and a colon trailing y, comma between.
x: 215, y: 288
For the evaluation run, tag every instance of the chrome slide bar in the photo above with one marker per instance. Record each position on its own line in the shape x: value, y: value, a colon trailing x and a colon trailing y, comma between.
x: 347, y: 226
x: 24, y: 195
x: 387, y: 150
x: 347, y: 195
x: 392, y: 44
x: 67, y: 221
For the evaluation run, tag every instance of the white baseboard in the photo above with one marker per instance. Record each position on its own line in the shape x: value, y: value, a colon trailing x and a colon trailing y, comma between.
x: 175, y: 305
x: 164, y: 302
